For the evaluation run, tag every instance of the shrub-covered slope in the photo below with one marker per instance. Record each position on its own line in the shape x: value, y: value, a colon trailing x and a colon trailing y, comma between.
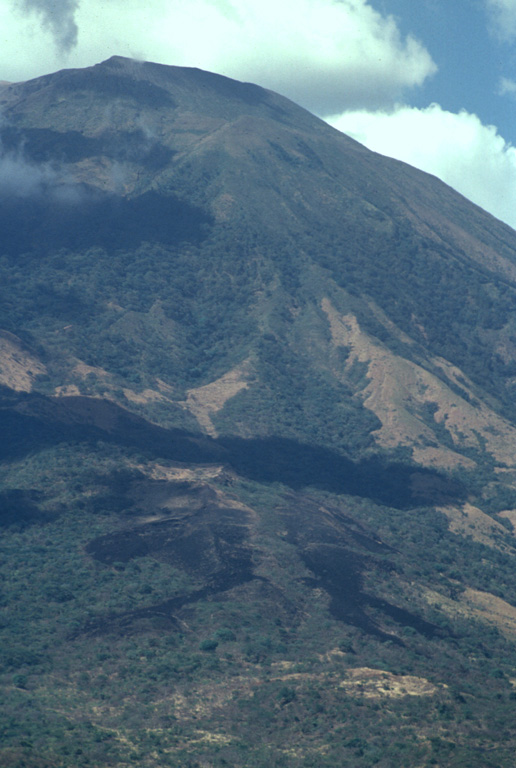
x: 258, y: 438
x: 166, y: 228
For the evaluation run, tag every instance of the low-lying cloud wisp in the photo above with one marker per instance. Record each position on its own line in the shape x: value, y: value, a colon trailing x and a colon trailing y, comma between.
x: 19, y: 178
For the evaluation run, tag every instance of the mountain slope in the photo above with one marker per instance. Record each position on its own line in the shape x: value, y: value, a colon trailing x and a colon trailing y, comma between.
x: 190, y: 221
x: 258, y: 472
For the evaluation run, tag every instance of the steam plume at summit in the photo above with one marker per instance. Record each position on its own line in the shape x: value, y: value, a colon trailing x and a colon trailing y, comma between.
x: 59, y: 17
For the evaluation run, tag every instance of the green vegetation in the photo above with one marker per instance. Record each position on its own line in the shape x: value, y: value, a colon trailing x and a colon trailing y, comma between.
x: 124, y: 658
x: 283, y: 593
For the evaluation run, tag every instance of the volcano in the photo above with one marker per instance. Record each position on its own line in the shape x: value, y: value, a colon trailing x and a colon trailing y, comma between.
x: 258, y: 464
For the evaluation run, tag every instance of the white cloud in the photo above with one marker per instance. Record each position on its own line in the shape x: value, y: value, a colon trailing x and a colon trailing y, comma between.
x: 507, y: 87
x: 502, y: 15
x: 323, y: 54
x: 20, y: 178
x: 469, y: 156
x: 326, y: 54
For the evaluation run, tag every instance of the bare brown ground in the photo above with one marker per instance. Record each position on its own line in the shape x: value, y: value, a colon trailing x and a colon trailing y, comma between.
x: 204, y: 401
x: 377, y: 684
x: 146, y: 396
x: 100, y: 172
x: 510, y: 515
x: 398, y: 391
x: 474, y: 604
x: 492, y: 609
x: 82, y: 369
x: 164, y: 392
x: 471, y: 521
x: 361, y: 682
x: 68, y: 390
x: 18, y: 368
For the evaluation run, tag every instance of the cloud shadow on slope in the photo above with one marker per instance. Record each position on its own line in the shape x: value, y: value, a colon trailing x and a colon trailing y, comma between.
x: 44, y: 223
x: 206, y: 538
x: 34, y: 421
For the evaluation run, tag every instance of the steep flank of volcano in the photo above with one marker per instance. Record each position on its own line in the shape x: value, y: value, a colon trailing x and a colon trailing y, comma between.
x: 197, y: 226
x: 258, y: 456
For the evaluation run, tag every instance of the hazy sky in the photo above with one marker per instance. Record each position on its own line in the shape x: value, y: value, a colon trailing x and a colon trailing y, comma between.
x: 432, y: 82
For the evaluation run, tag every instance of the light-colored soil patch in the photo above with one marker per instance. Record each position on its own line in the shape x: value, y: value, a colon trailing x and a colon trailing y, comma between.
x: 474, y: 604
x: 376, y: 684
x: 67, y: 390
x: 107, y: 175
x: 400, y: 393
x: 204, y: 699
x: 18, y: 368
x: 178, y: 474
x: 210, y: 737
x: 471, y: 521
x: 204, y: 401
x: 388, y: 324
x: 440, y: 458
x: 146, y: 396
x: 83, y: 370
x: 510, y: 515
x: 493, y: 610
x: 164, y: 393
x: 164, y: 387
x: 200, y: 476
x: 359, y: 681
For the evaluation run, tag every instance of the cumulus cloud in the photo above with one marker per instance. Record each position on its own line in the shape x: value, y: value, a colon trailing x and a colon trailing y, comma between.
x: 324, y: 54
x: 458, y: 148
x: 328, y: 55
x: 502, y: 15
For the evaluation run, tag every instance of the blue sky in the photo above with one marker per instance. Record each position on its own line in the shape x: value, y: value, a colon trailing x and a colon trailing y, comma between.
x: 460, y: 122
x: 472, y: 55
x: 431, y: 82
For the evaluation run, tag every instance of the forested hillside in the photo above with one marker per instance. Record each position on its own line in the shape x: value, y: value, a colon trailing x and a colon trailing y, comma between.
x: 258, y: 474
